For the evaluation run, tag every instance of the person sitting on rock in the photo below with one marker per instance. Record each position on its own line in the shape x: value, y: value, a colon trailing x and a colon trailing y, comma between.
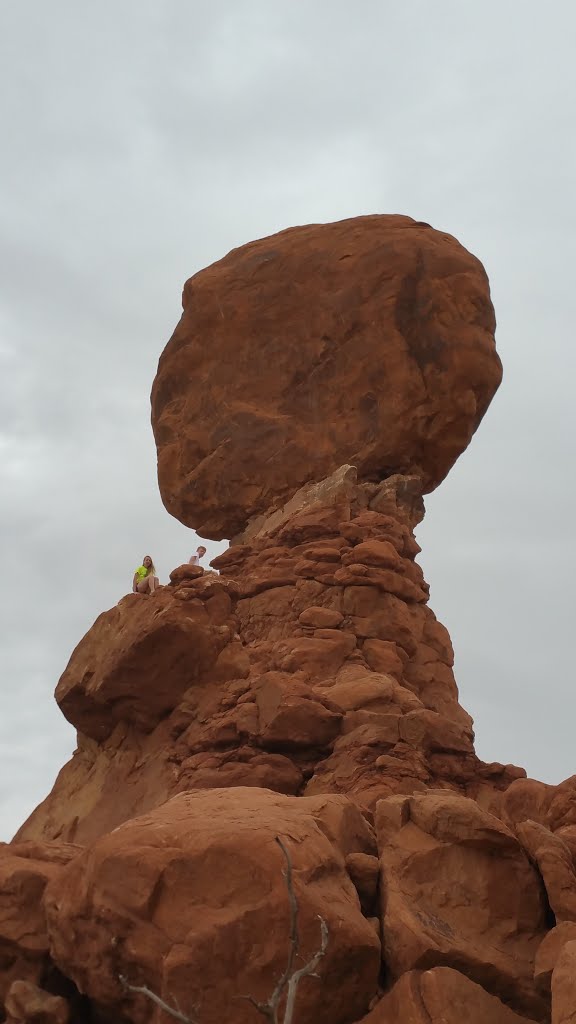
x: 145, y: 579
x: 195, y: 559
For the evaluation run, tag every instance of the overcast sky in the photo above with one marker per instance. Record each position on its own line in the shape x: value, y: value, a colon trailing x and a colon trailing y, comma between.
x: 142, y: 141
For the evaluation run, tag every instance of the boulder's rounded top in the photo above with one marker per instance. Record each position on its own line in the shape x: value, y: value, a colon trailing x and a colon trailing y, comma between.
x: 369, y: 341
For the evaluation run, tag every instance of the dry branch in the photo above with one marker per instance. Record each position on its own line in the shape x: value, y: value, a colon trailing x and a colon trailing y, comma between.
x: 143, y: 990
x: 290, y: 978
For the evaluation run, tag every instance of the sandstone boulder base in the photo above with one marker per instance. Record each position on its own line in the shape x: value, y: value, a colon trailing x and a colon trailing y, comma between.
x: 440, y: 996
x: 368, y: 341
x: 25, y: 870
x: 457, y: 889
x: 191, y: 900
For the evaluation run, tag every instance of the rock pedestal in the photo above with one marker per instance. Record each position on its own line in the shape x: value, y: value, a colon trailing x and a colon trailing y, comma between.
x: 311, y: 664
x: 275, y: 806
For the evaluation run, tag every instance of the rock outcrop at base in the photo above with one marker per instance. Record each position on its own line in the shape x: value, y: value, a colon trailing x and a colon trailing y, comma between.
x: 25, y: 870
x: 275, y: 800
x: 440, y: 996
x: 194, y: 896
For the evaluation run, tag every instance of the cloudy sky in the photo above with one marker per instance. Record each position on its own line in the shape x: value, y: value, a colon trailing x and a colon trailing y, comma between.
x: 143, y: 139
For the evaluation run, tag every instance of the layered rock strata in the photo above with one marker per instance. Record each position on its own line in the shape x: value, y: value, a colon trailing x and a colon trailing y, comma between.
x: 311, y: 664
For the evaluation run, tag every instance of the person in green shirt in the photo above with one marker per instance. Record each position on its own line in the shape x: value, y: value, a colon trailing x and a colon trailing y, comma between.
x: 145, y: 579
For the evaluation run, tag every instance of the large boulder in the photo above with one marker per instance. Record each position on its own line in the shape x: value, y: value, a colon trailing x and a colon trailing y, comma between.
x: 553, y: 858
x: 25, y: 870
x: 191, y: 900
x: 458, y: 890
x: 369, y: 341
x: 139, y: 658
x: 440, y: 996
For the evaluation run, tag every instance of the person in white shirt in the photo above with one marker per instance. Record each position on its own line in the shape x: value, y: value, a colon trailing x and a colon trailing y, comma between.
x: 195, y: 559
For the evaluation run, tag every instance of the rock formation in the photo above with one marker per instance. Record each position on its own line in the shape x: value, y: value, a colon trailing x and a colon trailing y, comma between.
x: 318, y: 384
x: 368, y: 342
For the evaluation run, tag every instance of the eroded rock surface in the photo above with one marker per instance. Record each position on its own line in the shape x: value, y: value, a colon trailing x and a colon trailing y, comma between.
x: 458, y: 889
x: 25, y: 870
x: 564, y: 986
x: 26, y: 1003
x: 369, y: 341
x: 195, y: 899
x: 318, y: 384
x: 311, y: 664
x: 440, y: 996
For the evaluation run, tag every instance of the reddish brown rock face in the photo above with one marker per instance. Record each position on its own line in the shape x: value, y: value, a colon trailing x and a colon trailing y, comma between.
x: 284, y: 672
x: 303, y: 689
x: 25, y: 870
x: 441, y: 856
x: 440, y: 996
x: 564, y: 986
x: 28, y: 1004
x: 368, y: 341
x: 195, y: 898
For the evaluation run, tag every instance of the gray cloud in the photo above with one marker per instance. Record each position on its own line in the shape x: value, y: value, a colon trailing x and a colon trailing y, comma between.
x: 142, y: 141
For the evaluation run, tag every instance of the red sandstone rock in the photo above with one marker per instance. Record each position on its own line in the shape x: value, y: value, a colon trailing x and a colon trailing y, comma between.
x: 311, y: 664
x: 191, y: 901
x: 202, y: 686
x: 440, y: 996
x: 233, y: 436
x: 28, y: 1004
x: 564, y: 986
x: 321, y: 618
x: 526, y: 799
x: 137, y: 662
x: 568, y: 835
x: 549, y: 950
x: 562, y: 809
x: 343, y: 824
x: 458, y: 890
x: 384, y: 656
x: 428, y: 731
x: 318, y: 656
x: 554, y: 860
x: 186, y: 572
x: 25, y: 870
x: 364, y: 871
x: 289, y: 717
x: 355, y: 687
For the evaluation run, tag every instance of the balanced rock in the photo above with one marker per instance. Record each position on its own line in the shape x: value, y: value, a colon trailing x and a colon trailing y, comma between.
x: 368, y: 341
x: 318, y: 384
